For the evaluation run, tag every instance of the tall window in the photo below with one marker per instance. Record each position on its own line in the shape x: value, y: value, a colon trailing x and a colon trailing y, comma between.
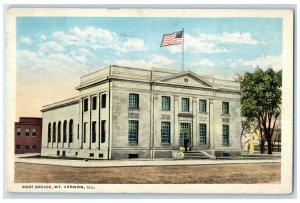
x: 133, y: 132
x: 185, y: 104
x: 84, y: 132
x: 225, y: 135
x: 33, y: 133
x: 202, y: 106
x: 94, y: 131
x: 78, y: 131
x: 18, y: 147
x: 202, y: 136
x: 27, y: 147
x: 27, y: 131
x: 94, y: 102
x: 54, y: 132
x: 71, y: 125
x: 103, y: 101
x: 59, y: 132
x: 86, y: 105
x: 19, y: 131
x: 133, y: 100
x: 49, y: 132
x: 165, y: 103
x: 165, y: 132
x: 65, y: 132
x: 103, y: 131
x: 225, y: 107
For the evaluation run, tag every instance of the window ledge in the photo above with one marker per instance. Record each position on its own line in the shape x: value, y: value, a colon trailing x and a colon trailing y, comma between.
x: 203, y: 113
x: 162, y: 143
x: 225, y: 114
x: 133, y: 144
x: 133, y: 109
x: 185, y: 114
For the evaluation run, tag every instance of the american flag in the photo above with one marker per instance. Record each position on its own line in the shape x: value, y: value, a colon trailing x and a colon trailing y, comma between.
x: 172, y: 39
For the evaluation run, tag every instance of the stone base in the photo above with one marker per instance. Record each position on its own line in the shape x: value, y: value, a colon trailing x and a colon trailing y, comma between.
x: 224, y: 153
x: 75, y: 153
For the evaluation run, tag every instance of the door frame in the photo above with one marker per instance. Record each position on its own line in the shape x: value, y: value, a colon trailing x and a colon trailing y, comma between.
x: 190, y: 145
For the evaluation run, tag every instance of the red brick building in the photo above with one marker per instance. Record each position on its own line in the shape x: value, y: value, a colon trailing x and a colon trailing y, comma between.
x: 28, y: 135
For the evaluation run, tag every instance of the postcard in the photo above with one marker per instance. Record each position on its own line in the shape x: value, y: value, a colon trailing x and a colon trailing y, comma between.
x: 186, y: 101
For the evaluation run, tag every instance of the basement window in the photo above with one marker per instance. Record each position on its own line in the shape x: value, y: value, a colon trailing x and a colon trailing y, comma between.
x: 133, y: 156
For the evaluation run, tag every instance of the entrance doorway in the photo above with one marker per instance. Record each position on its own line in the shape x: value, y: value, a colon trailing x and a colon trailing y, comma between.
x: 185, y: 130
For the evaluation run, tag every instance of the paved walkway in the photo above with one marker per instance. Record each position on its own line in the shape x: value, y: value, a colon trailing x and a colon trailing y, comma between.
x: 126, y: 163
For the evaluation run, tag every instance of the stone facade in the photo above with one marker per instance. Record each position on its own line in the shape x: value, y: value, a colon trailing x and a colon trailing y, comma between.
x: 121, y: 112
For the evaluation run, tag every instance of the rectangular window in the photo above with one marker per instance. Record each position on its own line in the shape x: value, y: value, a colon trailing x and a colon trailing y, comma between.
x: 103, y: 131
x: 133, y: 132
x: 94, y: 103
x: 185, y: 104
x: 94, y: 131
x: 78, y: 131
x: 202, y: 106
x: 103, y: 101
x: 33, y: 133
x: 133, y: 100
x: 85, y: 105
x: 27, y: 132
x: 165, y: 132
x: 225, y: 135
x: 225, y: 107
x: 18, y: 147
x: 19, y: 131
x: 202, y: 131
x: 33, y: 146
x: 165, y: 103
x: 84, y: 132
x: 27, y: 147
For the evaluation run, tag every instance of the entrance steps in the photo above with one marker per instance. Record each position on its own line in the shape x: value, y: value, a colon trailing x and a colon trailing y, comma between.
x: 195, y: 155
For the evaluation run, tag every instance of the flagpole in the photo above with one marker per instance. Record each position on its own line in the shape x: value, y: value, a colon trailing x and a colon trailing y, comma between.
x: 182, y: 49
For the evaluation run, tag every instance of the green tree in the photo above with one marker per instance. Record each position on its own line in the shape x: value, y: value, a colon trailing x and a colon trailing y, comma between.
x: 261, y: 101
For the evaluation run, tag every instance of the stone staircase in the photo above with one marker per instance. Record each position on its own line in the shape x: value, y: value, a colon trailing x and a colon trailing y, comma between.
x: 194, y: 155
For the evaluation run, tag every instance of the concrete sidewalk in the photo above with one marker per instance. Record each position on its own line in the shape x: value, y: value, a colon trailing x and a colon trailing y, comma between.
x: 128, y: 163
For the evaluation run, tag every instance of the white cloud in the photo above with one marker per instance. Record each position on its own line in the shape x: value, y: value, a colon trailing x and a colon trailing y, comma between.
x: 51, y: 46
x: 135, y: 44
x: 25, y: 40
x: 50, y: 64
x: 92, y: 32
x: 152, y: 61
x: 163, y: 60
x: 226, y: 37
x: 211, y: 43
x: 196, y: 45
x: 232, y: 65
x: 43, y: 37
x: 203, y: 62
x: 27, y: 58
x: 265, y: 62
x: 82, y: 55
x: 98, y: 38
x: 64, y: 38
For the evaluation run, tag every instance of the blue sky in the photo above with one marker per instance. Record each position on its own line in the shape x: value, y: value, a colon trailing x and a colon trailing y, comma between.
x: 53, y: 52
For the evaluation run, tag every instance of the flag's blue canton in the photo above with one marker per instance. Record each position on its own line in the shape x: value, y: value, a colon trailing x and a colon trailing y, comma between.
x: 179, y: 34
